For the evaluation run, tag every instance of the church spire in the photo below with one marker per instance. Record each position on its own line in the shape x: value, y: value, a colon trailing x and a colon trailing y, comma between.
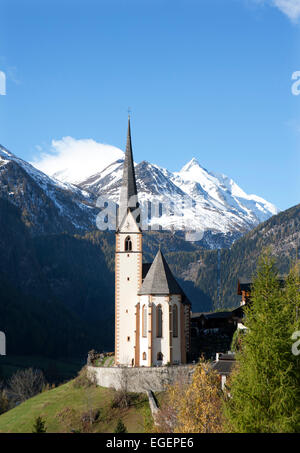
x: 128, y: 172
x: 128, y: 195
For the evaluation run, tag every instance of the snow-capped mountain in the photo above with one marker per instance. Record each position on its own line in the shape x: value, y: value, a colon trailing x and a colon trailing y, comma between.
x: 47, y: 205
x: 221, y: 193
x: 201, y: 200
x: 192, y: 199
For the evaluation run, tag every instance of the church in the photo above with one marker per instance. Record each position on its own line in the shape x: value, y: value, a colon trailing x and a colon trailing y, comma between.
x: 152, y: 313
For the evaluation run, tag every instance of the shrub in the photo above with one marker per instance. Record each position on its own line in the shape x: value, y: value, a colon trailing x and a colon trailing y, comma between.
x: 120, y: 427
x: 91, y: 416
x: 39, y: 425
x: 121, y: 399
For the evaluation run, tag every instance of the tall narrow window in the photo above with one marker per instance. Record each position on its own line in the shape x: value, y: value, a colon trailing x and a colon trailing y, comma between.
x: 128, y: 244
x: 144, y: 321
x: 144, y: 356
x: 159, y: 356
x: 175, y: 321
x: 159, y: 325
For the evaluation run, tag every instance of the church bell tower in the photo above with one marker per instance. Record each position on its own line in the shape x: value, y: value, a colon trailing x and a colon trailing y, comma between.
x: 128, y: 264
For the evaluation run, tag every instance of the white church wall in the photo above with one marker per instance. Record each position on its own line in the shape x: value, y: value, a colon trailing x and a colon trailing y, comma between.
x: 161, y: 344
x: 144, y: 300
x: 128, y: 280
x: 176, y: 341
x: 127, y: 299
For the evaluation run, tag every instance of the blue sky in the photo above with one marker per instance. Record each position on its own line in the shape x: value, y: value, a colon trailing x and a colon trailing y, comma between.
x: 209, y: 79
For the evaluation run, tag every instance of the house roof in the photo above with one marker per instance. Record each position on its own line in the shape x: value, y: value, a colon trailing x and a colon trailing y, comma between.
x: 245, y: 283
x: 224, y: 364
x: 223, y: 367
x: 219, y: 315
x: 159, y: 278
x: 228, y: 356
x: 238, y: 312
x: 216, y: 315
x: 196, y: 315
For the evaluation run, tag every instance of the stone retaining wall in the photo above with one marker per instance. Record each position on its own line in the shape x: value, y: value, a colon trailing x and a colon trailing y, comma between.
x: 140, y: 379
x: 153, y: 405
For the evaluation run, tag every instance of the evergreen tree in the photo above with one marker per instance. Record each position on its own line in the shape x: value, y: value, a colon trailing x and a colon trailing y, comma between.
x: 120, y: 428
x: 39, y: 425
x: 237, y: 340
x: 265, y: 387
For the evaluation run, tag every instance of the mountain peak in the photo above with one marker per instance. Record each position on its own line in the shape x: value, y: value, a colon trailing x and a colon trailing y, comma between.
x: 191, y: 164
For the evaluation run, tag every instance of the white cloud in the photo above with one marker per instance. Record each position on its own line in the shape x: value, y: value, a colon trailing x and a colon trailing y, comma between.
x: 290, y: 8
x: 73, y: 160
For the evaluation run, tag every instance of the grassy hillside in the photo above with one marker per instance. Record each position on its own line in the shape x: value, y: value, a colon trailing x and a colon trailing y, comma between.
x: 66, y: 407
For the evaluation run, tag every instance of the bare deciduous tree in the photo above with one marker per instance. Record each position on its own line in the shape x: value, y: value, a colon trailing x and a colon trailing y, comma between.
x: 4, y: 403
x: 25, y: 384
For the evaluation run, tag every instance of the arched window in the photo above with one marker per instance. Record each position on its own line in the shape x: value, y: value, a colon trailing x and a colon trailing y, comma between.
x: 159, y: 356
x: 128, y: 244
x: 159, y: 322
x: 144, y: 356
x: 175, y: 321
x: 144, y: 321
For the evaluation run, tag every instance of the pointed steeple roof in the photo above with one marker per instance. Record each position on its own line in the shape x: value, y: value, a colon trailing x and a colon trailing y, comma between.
x: 128, y: 188
x: 128, y: 195
x: 159, y: 278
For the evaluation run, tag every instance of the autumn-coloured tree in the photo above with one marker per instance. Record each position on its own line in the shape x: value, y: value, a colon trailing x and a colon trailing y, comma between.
x: 166, y: 419
x: 193, y: 408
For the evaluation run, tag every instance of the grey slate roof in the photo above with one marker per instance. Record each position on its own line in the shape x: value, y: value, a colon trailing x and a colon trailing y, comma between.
x: 145, y: 269
x: 225, y: 364
x: 223, y: 367
x: 159, y: 278
x: 219, y: 315
x: 215, y: 315
x: 244, y: 284
x: 128, y: 195
x: 226, y: 356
